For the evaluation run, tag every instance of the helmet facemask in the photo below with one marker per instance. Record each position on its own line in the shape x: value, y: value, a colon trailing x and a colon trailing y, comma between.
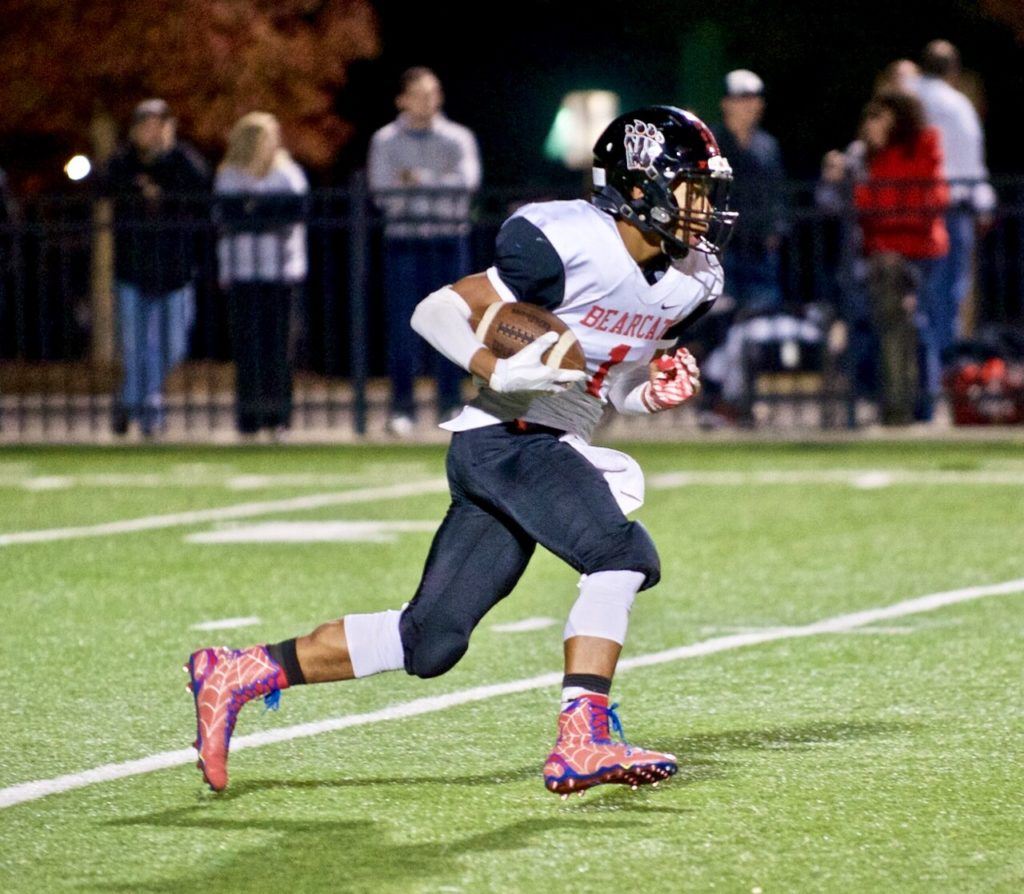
x: 695, y: 213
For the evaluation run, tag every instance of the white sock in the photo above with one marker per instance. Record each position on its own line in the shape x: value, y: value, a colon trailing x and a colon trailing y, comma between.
x: 374, y: 643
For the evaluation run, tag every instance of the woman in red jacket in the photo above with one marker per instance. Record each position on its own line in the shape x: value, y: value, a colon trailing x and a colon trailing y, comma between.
x: 901, y: 202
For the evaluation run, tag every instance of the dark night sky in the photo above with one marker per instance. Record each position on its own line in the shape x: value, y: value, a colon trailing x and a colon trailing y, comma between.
x: 819, y: 64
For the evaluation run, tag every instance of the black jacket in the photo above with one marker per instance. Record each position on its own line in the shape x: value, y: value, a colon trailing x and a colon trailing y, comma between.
x: 155, y: 240
x: 757, y: 190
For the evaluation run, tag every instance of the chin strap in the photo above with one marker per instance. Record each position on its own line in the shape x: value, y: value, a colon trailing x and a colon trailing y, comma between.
x: 672, y: 251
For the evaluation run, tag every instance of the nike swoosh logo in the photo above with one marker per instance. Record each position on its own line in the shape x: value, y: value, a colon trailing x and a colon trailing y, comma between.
x: 671, y: 306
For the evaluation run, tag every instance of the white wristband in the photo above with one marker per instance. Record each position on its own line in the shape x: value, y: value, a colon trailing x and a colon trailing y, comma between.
x: 626, y: 390
x: 636, y: 402
x: 442, y: 319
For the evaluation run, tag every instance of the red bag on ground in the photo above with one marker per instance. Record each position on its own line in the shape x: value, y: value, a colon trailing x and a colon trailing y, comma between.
x: 987, y: 393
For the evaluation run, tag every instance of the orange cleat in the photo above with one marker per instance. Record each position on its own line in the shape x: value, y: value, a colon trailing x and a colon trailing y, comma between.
x: 221, y: 681
x: 585, y: 755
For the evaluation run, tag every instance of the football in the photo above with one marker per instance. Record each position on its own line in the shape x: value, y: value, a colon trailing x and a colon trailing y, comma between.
x: 507, y: 327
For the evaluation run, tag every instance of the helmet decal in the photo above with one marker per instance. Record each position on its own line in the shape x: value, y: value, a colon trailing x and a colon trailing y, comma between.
x: 643, y: 144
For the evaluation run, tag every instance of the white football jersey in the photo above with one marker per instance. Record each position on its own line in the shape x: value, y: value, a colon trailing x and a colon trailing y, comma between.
x: 616, y: 314
x: 601, y: 293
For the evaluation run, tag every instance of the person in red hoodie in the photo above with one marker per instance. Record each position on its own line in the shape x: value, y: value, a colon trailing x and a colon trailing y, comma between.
x: 901, y: 202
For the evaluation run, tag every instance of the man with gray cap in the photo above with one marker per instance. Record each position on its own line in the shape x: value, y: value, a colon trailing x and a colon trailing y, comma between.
x: 159, y: 187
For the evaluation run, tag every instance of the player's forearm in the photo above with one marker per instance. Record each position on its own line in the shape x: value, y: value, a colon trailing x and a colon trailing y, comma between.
x: 668, y: 381
x: 626, y: 390
x: 482, y: 364
x: 442, y: 319
x: 478, y: 294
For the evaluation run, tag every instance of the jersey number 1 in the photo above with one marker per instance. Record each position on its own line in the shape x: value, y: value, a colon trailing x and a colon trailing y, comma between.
x: 618, y: 354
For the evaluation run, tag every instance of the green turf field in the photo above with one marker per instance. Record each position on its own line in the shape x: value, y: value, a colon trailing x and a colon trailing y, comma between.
x: 881, y: 754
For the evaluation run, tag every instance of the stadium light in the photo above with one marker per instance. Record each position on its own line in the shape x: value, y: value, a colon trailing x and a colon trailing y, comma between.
x: 581, y: 118
x: 78, y: 167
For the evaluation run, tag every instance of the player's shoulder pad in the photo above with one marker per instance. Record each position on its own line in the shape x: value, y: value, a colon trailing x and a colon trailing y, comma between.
x: 528, y: 263
x: 584, y: 237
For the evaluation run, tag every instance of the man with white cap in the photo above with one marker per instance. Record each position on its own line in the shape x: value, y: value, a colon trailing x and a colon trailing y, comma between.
x: 752, y: 274
x: 752, y: 269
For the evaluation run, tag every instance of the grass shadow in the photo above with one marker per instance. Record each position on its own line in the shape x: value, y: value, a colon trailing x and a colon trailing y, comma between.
x: 704, y: 747
x: 243, y: 787
x: 336, y: 855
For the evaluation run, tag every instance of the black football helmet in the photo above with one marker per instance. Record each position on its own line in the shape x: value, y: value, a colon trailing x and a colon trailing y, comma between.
x: 654, y: 150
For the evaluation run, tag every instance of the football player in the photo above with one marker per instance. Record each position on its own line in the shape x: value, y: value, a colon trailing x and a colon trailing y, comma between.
x: 627, y: 271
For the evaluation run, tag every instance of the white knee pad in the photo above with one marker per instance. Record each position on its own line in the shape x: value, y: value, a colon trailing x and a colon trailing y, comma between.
x: 602, y: 609
x: 374, y: 643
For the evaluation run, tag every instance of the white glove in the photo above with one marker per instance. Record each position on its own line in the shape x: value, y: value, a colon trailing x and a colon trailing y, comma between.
x: 524, y: 371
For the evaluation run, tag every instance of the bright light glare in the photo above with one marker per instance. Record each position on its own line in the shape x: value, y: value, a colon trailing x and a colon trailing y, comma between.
x: 78, y: 167
x: 583, y: 116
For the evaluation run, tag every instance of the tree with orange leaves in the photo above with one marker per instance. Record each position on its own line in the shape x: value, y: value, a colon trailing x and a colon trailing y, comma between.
x: 1009, y: 11
x: 68, y: 66
x: 71, y: 68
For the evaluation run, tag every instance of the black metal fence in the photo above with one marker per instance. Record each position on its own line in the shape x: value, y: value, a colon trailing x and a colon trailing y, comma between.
x: 61, y: 357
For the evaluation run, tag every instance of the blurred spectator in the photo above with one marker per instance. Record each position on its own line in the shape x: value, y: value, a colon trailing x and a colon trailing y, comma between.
x: 158, y: 186
x: 263, y: 264
x: 6, y: 201
x: 847, y: 268
x: 422, y: 168
x: 752, y: 259
x: 900, y: 74
x: 752, y: 272
x: 7, y: 219
x: 972, y: 198
x: 8, y: 216
x: 901, y: 199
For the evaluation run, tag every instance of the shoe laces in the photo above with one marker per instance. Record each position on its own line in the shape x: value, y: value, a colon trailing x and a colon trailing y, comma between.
x: 600, y: 719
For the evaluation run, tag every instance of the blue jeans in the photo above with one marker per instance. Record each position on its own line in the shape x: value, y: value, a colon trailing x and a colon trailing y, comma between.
x: 154, y: 339
x: 953, y: 277
x: 413, y: 269
x: 929, y: 320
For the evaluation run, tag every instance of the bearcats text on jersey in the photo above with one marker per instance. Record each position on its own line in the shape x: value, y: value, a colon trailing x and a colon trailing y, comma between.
x: 648, y: 327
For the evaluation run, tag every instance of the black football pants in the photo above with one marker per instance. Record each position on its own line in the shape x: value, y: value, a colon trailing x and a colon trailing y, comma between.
x: 512, y: 489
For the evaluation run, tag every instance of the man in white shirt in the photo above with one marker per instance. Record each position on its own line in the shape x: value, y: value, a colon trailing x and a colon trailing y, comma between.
x: 972, y: 199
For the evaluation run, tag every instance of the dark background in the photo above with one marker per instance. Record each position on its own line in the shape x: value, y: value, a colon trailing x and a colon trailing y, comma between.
x: 505, y: 68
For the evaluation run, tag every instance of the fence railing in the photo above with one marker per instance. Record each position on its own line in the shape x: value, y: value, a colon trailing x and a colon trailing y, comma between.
x: 64, y: 310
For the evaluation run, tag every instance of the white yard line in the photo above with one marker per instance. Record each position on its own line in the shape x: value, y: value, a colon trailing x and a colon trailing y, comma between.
x: 32, y: 791
x: 226, y: 623
x: 865, y: 479
x: 525, y: 626
x: 352, y: 531
x: 225, y: 513
x: 235, y: 481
